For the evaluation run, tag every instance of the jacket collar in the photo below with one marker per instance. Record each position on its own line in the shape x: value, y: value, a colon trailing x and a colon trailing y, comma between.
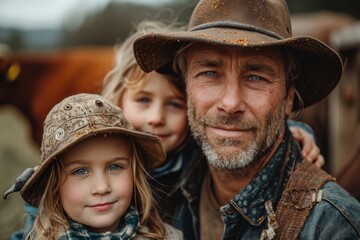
x: 268, y: 184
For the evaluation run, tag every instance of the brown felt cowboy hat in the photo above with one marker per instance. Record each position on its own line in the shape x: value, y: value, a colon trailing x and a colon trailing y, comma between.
x: 248, y: 24
x: 79, y: 117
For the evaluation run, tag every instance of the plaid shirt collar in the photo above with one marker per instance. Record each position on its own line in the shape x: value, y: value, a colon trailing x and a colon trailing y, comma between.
x: 127, y: 229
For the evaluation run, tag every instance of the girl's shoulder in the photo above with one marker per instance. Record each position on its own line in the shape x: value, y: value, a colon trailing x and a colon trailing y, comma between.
x: 171, y: 233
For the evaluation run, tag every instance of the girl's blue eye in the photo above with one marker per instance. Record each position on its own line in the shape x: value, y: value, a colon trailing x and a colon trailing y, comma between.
x: 114, y: 167
x: 80, y: 171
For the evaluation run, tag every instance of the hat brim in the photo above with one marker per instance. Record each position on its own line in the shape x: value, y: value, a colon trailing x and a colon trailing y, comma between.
x: 321, y: 66
x: 152, y: 153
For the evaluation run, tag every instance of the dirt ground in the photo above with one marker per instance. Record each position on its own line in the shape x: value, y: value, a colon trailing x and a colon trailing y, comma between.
x: 17, y: 152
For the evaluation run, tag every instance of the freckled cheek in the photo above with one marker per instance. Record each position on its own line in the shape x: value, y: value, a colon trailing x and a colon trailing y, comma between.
x: 72, y: 197
x: 123, y: 186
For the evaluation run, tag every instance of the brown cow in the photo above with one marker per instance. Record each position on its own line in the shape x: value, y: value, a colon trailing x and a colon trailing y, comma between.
x: 34, y: 82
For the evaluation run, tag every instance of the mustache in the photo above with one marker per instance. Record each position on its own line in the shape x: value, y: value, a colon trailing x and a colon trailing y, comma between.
x: 232, y: 121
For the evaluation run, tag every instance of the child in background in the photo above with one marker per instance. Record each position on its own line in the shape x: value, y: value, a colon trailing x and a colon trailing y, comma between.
x: 155, y: 102
x: 91, y: 182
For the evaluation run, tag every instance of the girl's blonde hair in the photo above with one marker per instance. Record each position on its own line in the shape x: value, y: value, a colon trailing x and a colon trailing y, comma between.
x: 51, y: 217
x: 127, y: 73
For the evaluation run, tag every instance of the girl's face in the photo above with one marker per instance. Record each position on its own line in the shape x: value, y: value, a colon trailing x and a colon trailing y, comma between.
x: 159, y: 108
x: 97, y: 182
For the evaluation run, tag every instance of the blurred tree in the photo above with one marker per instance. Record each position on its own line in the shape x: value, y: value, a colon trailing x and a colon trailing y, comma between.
x: 117, y: 20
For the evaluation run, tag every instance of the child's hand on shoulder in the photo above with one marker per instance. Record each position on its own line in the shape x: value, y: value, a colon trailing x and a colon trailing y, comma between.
x: 309, y: 150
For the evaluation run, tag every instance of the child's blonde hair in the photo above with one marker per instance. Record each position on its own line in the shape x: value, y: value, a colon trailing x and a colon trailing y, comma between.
x: 51, y: 216
x: 127, y: 73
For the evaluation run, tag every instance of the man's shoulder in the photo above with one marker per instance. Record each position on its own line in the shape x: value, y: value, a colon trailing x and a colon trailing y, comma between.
x: 342, y: 201
x: 337, y: 216
x: 334, y: 192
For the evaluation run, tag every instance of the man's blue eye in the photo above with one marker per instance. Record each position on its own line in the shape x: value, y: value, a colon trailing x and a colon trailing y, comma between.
x: 209, y: 74
x: 255, y: 78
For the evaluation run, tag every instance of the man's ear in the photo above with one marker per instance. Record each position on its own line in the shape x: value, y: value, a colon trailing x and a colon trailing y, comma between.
x: 289, y: 101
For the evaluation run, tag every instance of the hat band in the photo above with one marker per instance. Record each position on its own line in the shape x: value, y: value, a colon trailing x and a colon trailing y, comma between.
x: 242, y: 26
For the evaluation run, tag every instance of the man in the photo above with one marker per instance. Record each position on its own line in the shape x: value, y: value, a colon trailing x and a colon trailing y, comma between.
x: 245, y: 73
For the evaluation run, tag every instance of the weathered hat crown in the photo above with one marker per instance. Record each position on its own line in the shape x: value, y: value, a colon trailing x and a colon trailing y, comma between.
x: 265, y: 15
x: 75, y: 116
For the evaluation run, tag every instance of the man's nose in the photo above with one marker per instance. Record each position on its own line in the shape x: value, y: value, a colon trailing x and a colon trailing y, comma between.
x: 232, y: 99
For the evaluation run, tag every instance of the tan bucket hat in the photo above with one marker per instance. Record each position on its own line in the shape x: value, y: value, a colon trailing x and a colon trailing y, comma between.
x: 248, y: 24
x: 76, y: 118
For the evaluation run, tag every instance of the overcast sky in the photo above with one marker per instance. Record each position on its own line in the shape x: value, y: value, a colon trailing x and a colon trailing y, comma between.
x: 51, y: 14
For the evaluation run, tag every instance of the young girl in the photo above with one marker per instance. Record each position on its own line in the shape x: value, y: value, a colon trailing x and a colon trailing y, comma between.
x: 91, y: 182
x: 155, y: 102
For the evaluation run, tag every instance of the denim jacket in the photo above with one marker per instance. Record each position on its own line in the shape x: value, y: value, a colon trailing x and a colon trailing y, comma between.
x: 337, y: 216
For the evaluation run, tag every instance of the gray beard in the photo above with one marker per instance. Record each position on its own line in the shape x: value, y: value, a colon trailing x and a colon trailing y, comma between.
x: 238, y: 161
x: 241, y: 159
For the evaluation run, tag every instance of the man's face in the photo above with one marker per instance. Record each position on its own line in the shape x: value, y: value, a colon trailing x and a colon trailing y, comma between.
x: 237, y: 102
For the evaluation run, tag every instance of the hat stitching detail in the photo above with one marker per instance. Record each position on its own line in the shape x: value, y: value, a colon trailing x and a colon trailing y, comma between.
x: 87, y: 112
x: 60, y: 133
x: 241, y: 26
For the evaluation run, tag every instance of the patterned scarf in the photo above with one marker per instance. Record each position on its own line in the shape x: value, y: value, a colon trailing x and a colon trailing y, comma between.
x: 127, y: 229
x: 269, y: 183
